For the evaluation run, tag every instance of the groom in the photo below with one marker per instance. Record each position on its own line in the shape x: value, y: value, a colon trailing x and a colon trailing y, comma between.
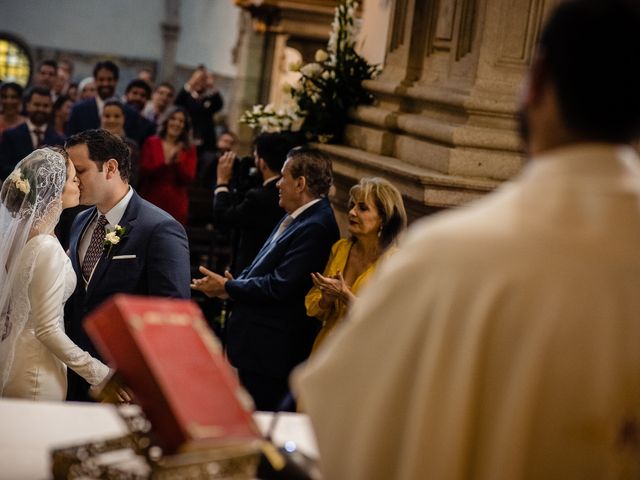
x: 148, y: 255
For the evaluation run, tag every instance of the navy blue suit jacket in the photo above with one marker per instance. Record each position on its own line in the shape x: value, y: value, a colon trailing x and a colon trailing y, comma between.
x: 159, y: 267
x: 16, y: 144
x: 269, y: 331
x: 84, y: 116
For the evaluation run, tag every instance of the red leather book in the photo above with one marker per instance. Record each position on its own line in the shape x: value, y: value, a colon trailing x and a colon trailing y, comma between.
x: 167, y: 356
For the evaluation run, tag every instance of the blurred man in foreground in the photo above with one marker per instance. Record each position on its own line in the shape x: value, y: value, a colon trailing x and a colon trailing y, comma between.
x: 501, y: 342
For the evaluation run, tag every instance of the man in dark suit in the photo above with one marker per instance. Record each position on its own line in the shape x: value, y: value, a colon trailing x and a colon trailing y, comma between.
x: 20, y: 141
x: 86, y: 114
x: 201, y: 99
x: 269, y: 332
x: 148, y: 256
x: 258, y: 211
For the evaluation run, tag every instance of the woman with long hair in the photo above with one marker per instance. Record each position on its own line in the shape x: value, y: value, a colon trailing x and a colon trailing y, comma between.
x: 60, y: 114
x: 10, y: 106
x: 112, y: 120
x: 168, y: 165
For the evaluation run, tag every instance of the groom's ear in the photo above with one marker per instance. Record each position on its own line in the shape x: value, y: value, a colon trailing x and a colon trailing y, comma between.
x: 111, y: 167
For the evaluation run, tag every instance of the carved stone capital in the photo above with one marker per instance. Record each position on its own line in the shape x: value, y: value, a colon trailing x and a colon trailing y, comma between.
x: 308, y: 18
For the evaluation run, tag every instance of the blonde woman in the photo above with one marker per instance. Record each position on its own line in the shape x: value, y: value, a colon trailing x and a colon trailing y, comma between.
x: 376, y: 218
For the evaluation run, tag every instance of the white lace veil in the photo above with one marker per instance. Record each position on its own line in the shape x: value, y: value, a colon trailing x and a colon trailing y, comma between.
x: 30, y: 204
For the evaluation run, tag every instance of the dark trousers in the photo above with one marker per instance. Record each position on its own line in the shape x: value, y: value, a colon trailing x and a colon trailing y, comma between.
x: 268, y: 392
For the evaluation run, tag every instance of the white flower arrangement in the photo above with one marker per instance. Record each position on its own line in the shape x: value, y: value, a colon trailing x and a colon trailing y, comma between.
x: 20, y: 181
x: 269, y: 119
x: 327, y: 87
x: 113, y: 237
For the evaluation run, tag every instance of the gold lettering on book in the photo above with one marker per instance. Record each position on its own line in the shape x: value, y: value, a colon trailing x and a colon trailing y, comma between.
x: 162, y: 318
x: 204, y: 431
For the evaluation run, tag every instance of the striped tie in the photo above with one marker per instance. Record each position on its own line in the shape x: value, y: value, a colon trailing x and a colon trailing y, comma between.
x: 96, y: 247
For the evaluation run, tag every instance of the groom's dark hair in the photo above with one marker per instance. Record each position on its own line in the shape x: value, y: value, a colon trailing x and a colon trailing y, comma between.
x: 102, y: 146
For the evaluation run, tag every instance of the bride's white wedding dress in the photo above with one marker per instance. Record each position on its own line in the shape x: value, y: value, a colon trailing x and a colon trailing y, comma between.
x: 43, y: 351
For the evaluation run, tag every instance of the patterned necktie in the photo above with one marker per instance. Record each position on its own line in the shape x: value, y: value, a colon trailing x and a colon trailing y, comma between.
x: 39, y: 136
x: 96, y: 246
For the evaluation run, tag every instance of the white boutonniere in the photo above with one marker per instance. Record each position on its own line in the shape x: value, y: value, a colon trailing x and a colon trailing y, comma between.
x: 113, y: 238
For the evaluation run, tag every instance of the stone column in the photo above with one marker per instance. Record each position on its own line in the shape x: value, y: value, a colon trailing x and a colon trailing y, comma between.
x: 170, y: 33
x: 249, y: 59
x: 443, y: 127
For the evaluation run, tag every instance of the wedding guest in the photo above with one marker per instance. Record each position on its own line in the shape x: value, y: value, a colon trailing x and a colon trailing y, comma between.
x: 501, y: 341
x: 60, y: 114
x: 34, y: 133
x: 376, y: 218
x: 66, y: 66
x: 202, y: 100
x: 226, y: 142
x: 86, y: 88
x: 112, y: 120
x: 206, y: 172
x: 10, y: 106
x: 269, y: 332
x: 137, y: 94
x: 61, y: 84
x: 146, y: 75
x: 36, y: 281
x: 87, y: 113
x: 72, y: 92
x: 253, y: 216
x: 151, y: 257
x: 46, y: 74
x: 161, y: 99
x: 168, y: 165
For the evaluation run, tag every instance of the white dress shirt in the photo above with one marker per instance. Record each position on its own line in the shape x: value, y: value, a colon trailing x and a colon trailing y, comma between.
x: 113, y: 218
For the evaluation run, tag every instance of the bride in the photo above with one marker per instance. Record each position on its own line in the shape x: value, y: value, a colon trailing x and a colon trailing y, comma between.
x: 36, y: 278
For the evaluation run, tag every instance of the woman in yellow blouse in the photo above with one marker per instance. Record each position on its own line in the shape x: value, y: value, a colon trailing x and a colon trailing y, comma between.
x: 376, y: 218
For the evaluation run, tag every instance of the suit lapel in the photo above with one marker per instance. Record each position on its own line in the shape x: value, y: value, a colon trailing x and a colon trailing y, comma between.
x: 26, y: 143
x: 127, y: 221
x: 269, y: 245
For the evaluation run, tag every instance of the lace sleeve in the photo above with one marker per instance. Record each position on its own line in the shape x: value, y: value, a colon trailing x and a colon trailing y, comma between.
x: 46, y: 294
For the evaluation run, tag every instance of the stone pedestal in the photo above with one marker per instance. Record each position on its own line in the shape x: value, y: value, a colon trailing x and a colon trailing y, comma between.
x: 444, y: 124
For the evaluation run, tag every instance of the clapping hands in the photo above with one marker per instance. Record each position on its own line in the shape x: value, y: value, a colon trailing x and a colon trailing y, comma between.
x: 212, y: 284
x: 332, y: 288
x: 225, y: 167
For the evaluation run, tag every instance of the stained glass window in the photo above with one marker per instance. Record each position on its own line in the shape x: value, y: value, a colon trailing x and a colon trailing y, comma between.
x: 15, y: 65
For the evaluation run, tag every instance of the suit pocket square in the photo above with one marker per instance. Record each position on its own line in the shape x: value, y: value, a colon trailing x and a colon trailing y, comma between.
x: 123, y: 257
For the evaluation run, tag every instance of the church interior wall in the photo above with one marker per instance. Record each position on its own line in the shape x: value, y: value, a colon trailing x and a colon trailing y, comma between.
x: 128, y: 32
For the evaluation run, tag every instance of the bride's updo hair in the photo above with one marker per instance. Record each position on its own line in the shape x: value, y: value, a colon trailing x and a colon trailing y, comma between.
x: 35, y: 186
